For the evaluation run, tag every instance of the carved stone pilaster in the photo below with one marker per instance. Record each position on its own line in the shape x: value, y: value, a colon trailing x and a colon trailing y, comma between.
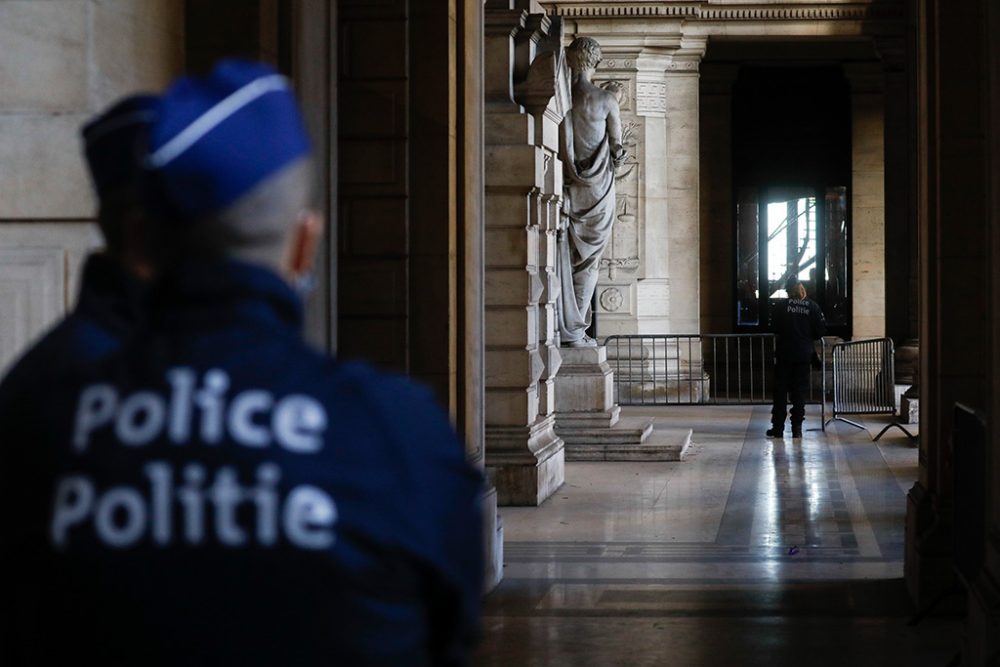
x: 523, y: 453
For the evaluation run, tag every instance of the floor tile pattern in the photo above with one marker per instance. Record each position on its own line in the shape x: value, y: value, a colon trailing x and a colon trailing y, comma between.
x: 754, y: 551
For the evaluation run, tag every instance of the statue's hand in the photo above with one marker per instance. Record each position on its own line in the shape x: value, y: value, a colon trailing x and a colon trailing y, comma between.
x: 619, y: 155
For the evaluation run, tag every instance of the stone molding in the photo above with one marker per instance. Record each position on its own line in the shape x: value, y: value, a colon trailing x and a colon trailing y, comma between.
x: 613, y: 264
x: 853, y: 11
x: 589, y: 10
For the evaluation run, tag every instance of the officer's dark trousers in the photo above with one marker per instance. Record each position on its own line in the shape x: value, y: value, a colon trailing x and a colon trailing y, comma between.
x: 791, y: 380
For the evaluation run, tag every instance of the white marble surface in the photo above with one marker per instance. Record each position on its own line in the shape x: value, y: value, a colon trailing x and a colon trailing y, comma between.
x: 39, y: 279
x: 684, y: 503
x: 643, y: 564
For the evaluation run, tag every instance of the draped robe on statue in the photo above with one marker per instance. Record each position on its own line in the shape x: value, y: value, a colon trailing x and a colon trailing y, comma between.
x: 589, y: 203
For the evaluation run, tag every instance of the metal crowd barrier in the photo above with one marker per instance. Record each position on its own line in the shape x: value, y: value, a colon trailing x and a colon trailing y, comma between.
x: 695, y: 369
x: 864, y: 382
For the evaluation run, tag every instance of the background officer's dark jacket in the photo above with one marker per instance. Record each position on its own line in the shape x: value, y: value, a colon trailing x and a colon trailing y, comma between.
x: 400, y: 584
x: 108, y: 308
x: 797, y: 324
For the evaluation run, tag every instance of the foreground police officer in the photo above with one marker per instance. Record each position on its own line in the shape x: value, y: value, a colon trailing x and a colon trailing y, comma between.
x: 797, y: 322
x: 109, y: 303
x: 218, y: 493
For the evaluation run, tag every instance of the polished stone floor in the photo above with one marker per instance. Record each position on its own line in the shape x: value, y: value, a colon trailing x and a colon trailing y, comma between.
x: 752, y: 551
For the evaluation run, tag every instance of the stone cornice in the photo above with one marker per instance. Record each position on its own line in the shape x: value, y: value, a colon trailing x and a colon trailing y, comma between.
x: 636, y: 10
x: 851, y: 12
x: 706, y: 11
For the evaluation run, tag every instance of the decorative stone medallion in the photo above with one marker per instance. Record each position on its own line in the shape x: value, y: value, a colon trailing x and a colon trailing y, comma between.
x: 612, y: 299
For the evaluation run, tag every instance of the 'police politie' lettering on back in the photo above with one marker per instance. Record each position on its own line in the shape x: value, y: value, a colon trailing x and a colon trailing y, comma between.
x: 127, y: 516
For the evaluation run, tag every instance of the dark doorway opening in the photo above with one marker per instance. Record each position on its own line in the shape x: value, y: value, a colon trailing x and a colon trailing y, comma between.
x: 791, y: 168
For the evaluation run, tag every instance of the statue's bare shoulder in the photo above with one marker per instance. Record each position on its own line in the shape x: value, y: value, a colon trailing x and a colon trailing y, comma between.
x: 594, y: 103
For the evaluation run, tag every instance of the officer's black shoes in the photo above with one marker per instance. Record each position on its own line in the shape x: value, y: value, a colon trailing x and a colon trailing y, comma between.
x: 775, y: 432
x: 796, y: 433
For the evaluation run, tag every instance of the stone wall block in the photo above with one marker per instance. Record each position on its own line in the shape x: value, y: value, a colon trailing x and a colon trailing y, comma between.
x: 136, y: 46
x: 42, y: 173
x: 509, y: 245
x: 513, y: 165
x: 512, y: 367
x: 43, y: 67
x: 507, y: 208
x: 508, y: 287
x: 513, y: 129
x: 512, y: 326
x: 510, y: 406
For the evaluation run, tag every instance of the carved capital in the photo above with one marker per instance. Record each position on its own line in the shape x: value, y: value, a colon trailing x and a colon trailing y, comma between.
x: 536, y: 29
x: 684, y: 63
x: 546, y: 86
x: 501, y: 27
x: 503, y: 22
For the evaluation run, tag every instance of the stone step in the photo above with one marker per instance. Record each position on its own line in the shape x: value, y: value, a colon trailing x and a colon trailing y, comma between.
x: 659, y: 392
x: 669, y: 444
x: 626, y: 431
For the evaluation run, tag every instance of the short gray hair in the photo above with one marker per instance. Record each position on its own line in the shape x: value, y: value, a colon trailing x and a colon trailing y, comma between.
x: 584, y: 53
x: 254, y: 228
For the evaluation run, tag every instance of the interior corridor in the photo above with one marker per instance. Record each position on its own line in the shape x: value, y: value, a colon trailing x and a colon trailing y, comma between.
x: 750, y: 552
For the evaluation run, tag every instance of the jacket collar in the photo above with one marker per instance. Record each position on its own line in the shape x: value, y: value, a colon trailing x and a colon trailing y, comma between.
x: 109, y: 295
x: 215, y: 292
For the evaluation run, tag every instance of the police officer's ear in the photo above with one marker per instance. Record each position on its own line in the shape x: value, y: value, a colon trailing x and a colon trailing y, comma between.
x: 303, y: 241
x: 136, y: 243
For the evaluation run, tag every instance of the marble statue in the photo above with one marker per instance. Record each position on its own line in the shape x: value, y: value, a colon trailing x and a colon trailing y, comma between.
x: 592, y: 148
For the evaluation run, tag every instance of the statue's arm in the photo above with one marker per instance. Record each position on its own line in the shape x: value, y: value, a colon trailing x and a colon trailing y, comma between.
x: 618, y: 152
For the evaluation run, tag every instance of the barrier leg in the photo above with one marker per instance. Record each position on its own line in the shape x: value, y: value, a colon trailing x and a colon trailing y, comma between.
x: 846, y: 421
x: 900, y: 427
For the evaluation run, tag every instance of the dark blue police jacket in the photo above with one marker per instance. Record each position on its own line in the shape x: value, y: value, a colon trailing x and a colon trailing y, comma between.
x: 219, y: 493
x: 797, y: 323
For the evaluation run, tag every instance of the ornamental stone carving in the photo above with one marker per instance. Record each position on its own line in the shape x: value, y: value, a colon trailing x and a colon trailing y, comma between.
x: 650, y: 98
x: 612, y: 299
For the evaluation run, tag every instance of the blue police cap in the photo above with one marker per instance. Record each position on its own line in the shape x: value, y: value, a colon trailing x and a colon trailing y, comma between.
x: 216, y: 138
x: 112, y: 142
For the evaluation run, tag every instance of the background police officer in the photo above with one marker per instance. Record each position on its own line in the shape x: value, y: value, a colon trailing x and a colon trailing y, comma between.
x: 109, y: 303
x: 797, y: 322
x: 219, y: 493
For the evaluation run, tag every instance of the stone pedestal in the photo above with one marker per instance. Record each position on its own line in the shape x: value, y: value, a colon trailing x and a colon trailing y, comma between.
x: 527, y: 463
x: 585, y: 390
x: 590, y: 422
